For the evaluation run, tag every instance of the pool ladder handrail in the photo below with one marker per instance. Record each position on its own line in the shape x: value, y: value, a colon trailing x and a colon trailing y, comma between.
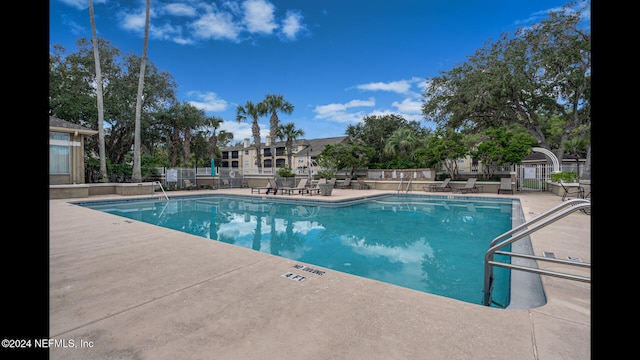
x: 554, y: 214
x: 165, y: 194
x: 400, y: 186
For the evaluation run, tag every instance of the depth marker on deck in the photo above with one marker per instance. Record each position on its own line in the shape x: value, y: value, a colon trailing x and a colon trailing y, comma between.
x: 308, y: 269
x: 294, y: 277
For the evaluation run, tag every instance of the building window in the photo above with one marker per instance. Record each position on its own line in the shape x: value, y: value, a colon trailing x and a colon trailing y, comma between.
x: 59, y: 150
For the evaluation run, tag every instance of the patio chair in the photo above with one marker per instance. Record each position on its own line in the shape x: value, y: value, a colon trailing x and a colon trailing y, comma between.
x: 316, y: 189
x: 259, y: 189
x: 302, y: 186
x: 444, y: 186
x: 273, y: 186
x: 505, y: 185
x: 470, y: 186
x: 572, y: 190
x: 362, y: 185
x: 189, y: 185
x: 346, y: 184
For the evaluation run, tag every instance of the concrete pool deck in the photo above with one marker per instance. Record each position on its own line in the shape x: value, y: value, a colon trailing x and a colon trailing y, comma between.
x: 123, y: 289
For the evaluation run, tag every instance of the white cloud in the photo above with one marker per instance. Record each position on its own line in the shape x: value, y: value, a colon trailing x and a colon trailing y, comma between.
x: 82, y: 4
x: 242, y: 130
x: 422, y: 84
x: 177, y: 9
x: 133, y: 21
x: 331, y: 108
x: 229, y: 20
x: 216, y: 25
x: 259, y: 17
x: 167, y: 32
x: 239, y: 130
x: 338, y: 112
x: 292, y: 24
x: 209, y: 101
x: 400, y: 87
x: 408, y: 105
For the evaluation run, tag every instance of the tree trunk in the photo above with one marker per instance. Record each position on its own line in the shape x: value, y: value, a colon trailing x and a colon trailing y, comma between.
x: 273, y: 132
x: 186, y: 146
x: 586, y: 169
x: 255, y: 129
x: 175, y: 141
x: 213, y: 142
x: 96, y: 55
x: 137, y: 172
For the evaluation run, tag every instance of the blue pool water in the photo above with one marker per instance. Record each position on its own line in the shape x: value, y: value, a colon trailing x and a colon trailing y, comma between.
x: 434, y: 244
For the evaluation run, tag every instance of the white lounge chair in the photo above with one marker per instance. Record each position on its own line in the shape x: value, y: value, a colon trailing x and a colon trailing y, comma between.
x: 505, y: 185
x: 259, y: 189
x: 302, y: 186
x: 470, y: 186
x: 444, y: 186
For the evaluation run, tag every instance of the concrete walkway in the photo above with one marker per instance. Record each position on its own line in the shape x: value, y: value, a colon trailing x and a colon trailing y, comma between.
x: 122, y: 289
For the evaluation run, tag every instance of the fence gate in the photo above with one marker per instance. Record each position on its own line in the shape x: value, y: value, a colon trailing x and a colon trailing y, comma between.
x: 230, y: 178
x: 533, y: 177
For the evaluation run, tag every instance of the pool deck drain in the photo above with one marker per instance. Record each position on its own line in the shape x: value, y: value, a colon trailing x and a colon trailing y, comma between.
x: 141, y: 291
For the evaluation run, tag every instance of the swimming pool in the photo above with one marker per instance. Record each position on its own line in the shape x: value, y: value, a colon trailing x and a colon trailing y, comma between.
x: 434, y: 244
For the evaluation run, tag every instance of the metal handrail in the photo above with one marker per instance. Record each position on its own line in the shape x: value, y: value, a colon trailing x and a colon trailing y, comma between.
x: 408, y: 186
x: 556, y: 213
x: 165, y: 194
x: 400, y: 185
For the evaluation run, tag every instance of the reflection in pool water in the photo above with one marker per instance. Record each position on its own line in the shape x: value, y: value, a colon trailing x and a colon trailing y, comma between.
x: 431, y: 244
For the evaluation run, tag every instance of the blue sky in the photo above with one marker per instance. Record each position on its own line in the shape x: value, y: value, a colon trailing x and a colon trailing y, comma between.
x: 335, y: 61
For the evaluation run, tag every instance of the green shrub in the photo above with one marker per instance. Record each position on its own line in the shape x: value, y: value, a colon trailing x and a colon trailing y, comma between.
x: 564, y: 176
x: 285, y: 171
x: 327, y: 174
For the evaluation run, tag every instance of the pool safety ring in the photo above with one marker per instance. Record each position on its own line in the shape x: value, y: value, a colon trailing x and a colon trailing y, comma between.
x: 232, y: 205
x: 232, y: 174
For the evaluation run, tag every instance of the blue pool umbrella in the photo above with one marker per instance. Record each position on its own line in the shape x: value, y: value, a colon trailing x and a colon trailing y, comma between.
x: 213, y: 168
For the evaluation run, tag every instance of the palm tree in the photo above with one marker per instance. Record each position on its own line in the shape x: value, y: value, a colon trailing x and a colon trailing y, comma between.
x: 214, y: 122
x: 575, y: 146
x: 271, y: 105
x: 96, y: 55
x: 225, y: 138
x: 189, y: 119
x: 289, y: 133
x: 253, y: 111
x: 402, y: 142
x: 136, y: 175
